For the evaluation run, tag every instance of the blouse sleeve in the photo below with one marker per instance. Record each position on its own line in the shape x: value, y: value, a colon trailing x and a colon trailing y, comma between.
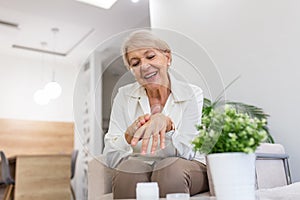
x: 116, y: 147
x: 186, y: 130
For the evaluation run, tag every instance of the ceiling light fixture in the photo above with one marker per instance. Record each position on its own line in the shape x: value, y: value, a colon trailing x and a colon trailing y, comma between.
x: 106, y: 4
x: 53, y: 89
x: 135, y: 1
x: 40, y: 97
x: 57, y: 53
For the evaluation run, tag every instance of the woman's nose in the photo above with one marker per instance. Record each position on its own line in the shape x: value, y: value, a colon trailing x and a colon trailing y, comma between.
x: 145, y: 64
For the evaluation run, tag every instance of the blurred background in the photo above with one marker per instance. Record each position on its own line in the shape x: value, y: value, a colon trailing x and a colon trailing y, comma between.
x: 76, y: 45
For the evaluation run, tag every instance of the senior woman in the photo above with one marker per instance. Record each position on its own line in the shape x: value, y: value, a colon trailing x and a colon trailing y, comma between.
x: 153, y: 123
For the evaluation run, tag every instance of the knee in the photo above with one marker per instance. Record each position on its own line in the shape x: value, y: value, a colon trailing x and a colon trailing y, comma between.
x: 133, y: 166
x: 125, y: 177
x: 131, y: 170
x: 167, y: 170
x: 170, y: 176
x: 179, y: 175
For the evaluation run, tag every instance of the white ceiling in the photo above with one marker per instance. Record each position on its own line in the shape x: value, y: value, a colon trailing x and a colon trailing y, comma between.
x: 81, y: 27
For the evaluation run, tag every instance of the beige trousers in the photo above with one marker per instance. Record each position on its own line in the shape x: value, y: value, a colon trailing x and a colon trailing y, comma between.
x: 173, y: 175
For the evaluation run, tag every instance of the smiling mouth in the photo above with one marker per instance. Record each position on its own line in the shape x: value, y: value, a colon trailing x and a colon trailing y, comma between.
x: 150, y: 75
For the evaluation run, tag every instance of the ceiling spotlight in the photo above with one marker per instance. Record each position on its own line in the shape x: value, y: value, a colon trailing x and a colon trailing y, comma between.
x: 106, y: 4
x: 135, y: 1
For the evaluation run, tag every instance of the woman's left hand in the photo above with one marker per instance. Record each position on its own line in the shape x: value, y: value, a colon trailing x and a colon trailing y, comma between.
x: 156, y: 127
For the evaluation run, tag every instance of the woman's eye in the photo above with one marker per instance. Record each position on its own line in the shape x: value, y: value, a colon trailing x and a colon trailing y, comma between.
x: 134, y: 64
x: 150, y: 56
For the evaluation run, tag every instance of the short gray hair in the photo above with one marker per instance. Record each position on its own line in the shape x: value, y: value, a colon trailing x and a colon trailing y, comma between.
x: 142, y: 39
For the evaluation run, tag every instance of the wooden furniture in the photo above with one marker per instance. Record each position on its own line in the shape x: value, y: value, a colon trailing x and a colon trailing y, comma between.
x: 27, y: 137
x: 39, y: 155
x: 44, y: 177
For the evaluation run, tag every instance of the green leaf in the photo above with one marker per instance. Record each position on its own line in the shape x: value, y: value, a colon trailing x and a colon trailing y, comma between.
x: 231, y: 126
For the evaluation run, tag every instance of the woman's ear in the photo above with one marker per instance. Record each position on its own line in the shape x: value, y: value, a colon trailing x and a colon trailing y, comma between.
x: 169, y: 57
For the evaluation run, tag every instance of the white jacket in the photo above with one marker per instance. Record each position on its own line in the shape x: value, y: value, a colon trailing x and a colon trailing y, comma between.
x: 184, y: 107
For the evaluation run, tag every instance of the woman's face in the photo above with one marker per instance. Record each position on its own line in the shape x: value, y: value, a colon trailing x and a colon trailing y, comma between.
x: 150, y: 67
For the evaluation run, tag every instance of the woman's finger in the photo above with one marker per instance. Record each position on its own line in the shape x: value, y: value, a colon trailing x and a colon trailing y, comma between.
x: 162, y: 136
x: 143, y: 119
x: 146, y: 137
x: 145, y: 144
x: 154, y: 142
x: 137, y: 135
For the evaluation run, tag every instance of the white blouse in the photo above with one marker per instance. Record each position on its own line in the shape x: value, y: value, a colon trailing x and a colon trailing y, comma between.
x: 184, y: 107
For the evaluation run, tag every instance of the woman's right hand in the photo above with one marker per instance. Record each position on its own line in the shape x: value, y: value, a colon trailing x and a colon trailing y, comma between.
x: 155, y: 127
x: 140, y: 121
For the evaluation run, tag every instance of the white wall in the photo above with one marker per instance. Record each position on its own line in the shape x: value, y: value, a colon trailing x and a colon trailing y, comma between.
x: 20, y: 77
x: 257, y: 39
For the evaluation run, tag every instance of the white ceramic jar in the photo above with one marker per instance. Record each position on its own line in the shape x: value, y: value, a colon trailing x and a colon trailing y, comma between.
x: 147, y: 191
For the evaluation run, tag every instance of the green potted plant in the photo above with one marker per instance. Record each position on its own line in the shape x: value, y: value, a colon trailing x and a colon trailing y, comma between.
x: 229, y: 135
x: 227, y: 129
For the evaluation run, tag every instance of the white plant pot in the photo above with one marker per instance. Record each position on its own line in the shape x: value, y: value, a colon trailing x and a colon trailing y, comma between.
x: 233, y: 175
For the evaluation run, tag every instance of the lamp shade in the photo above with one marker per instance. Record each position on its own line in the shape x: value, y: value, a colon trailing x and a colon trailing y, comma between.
x: 53, y: 90
x: 41, y: 97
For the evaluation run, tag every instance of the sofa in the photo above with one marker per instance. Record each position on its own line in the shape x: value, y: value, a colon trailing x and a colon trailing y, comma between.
x: 272, y: 171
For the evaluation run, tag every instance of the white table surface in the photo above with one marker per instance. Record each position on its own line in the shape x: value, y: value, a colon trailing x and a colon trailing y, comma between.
x: 109, y: 197
x: 289, y: 192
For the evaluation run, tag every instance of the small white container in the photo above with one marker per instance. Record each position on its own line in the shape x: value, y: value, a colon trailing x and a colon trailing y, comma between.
x: 178, y: 196
x: 147, y: 191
